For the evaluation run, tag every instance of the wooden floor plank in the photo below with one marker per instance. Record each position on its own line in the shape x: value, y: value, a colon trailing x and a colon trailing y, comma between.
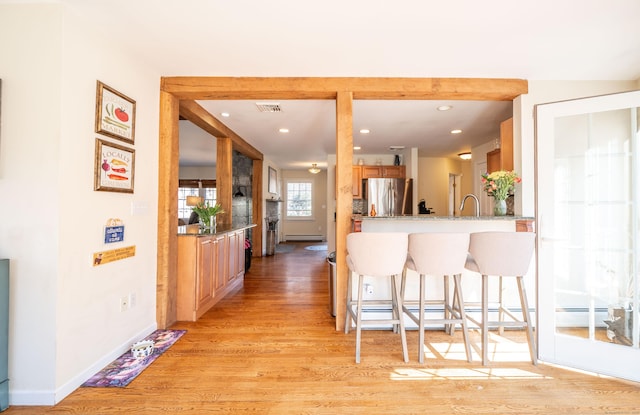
x: 272, y: 348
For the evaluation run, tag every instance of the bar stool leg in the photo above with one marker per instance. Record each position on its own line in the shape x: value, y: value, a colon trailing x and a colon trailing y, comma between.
x: 457, y: 292
x: 527, y: 319
x: 485, y: 319
x: 349, y: 311
x: 399, y: 305
x: 501, y: 306
x: 421, y: 319
x: 359, y: 317
x: 447, y: 308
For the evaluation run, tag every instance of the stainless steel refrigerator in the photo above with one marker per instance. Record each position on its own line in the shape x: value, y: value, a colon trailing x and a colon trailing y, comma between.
x: 392, y: 197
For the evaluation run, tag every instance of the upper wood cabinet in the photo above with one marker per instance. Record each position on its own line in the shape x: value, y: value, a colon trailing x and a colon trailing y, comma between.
x: 392, y: 172
x: 502, y: 158
x: 356, y: 184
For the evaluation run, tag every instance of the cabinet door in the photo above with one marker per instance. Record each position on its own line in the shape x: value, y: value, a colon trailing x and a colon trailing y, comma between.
x: 356, y: 184
x: 393, y: 172
x: 240, y: 255
x: 204, y: 278
x: 371, y: 172
x: 221, y: 263
x: 506, y: 145
x: 493, y: 161
x: 232, y: 253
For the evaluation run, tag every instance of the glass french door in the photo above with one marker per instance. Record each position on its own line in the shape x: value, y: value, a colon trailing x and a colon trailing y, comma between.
x: 588, y: 206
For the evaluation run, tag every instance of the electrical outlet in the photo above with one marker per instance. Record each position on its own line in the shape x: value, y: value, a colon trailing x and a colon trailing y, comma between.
x: 368, y: 288
x: 124, y: 303
x: 133, y: 300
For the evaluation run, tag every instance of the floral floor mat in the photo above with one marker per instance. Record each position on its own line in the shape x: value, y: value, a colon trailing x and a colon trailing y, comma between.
x: 126, y: 368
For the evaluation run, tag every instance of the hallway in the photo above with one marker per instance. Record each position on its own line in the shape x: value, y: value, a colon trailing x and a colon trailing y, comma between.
x: 271, y: 348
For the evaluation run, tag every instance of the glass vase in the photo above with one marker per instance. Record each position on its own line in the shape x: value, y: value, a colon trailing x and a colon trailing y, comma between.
x: 500, y: 208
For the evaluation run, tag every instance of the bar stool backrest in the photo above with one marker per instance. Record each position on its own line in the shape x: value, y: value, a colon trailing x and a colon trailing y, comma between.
x: 434, y: 253
x: 377, y: 253
x: 502, y: 253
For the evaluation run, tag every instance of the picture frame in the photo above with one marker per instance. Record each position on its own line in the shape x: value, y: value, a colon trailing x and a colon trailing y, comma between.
x: 115, y: 113
x: 273, y: 180
x: 114, y: 167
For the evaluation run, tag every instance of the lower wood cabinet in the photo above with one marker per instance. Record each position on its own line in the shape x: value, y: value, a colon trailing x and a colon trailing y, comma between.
x: 209, y: 267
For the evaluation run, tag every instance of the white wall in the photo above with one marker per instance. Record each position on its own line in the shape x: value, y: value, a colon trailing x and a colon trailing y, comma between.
x: 65, y: 319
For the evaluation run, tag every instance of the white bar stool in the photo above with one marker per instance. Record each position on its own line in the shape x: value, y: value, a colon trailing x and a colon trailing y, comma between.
x: 502, y: 254
x: 376, y: 255
x: 441, y: 255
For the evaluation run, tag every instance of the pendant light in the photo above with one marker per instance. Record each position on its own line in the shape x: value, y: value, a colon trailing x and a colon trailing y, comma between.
x: 314, y: 169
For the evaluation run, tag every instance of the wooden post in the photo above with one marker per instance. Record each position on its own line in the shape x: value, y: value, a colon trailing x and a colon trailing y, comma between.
x: 166, y: 280
x: 344, y: 197
x: 224, y: 179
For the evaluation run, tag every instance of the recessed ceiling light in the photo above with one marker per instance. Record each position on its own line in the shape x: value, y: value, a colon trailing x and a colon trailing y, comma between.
x: 444, y: 107
x: 284, y: 130
x: 224, y: 114
x: 357, y: 148
x: 365, y: 131
x: 456, y: 131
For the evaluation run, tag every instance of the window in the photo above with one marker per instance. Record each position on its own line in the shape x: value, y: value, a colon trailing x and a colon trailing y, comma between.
x: 204, y: 188
x: 299, y: 199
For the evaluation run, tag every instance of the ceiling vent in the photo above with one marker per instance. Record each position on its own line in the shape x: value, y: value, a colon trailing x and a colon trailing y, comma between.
x: 396, y: 148
x: 268, y: 107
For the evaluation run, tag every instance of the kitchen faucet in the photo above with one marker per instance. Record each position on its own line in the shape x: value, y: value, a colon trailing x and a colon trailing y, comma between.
x: 476, y: 200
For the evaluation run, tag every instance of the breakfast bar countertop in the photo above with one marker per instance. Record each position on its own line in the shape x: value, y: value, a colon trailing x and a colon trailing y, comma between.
x: 436, y: 217
x: 196, y: 230
x: 434, y: 223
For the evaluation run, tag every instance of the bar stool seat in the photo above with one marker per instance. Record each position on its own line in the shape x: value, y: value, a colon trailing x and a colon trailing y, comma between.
x: 376, y: 255
x: 439, y: 255
x: 502, y: 254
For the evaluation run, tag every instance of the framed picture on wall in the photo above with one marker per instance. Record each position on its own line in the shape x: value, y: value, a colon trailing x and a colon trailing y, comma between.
x: 114, y: 167
x: 273, y: 180
x: 115, y: 113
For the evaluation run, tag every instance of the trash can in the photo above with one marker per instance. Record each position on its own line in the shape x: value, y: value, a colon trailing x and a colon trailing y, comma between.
x: 331, y: 259
x: 271, y: 242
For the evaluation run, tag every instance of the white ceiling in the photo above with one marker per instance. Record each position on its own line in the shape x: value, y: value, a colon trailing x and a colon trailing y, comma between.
x: 526, y: 39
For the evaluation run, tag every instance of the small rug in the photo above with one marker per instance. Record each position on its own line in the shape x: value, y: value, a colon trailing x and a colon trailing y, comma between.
x: 124, y: 369
x: 316, y: 248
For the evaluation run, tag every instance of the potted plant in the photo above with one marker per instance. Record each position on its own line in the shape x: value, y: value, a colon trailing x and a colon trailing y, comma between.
x: 500, y: 185
x: 207, y: 214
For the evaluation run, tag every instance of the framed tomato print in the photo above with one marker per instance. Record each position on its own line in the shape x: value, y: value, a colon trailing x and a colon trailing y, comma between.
x: 114, y: 167
x: 115, y: 114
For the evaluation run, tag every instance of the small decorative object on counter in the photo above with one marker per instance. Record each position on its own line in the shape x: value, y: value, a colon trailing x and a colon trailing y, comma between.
x: 500, y: 185
x: 373, y: 210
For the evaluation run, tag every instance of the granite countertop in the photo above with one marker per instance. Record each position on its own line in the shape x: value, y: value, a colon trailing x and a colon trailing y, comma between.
x: 195, y: 230
x: 436, y: 217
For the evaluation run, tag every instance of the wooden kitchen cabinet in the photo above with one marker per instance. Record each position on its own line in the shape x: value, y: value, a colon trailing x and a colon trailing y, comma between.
x: 502, y: 158
x: 392, y: 172
x: 209, y: 267
x: 356, y: 184
x: 370, y: 172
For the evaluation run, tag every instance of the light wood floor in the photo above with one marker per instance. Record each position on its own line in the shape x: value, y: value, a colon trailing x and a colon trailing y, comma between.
x: 272, y: 349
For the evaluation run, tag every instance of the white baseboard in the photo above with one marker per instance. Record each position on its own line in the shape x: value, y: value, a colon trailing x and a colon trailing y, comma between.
x: 52, y: 397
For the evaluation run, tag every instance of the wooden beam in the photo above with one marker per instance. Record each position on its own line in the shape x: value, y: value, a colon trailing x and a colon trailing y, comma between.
x: 361, y: 88
x: 224, y: 179
x: 344, y: 197
x: 195, y: 113
x: 167, y: 264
